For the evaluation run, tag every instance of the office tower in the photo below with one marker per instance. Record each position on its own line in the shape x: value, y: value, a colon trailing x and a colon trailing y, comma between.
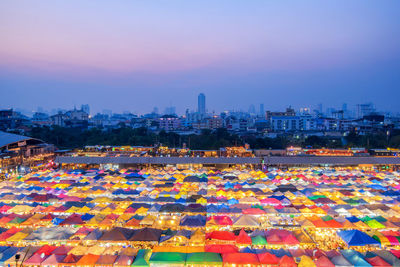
x: 262, y: 111
x: 107, y: 112
x: 252, y: 109
x: 365, y: 109
x: 201, y: 103
x: 320, y: 108
x: 170, y: 110
x: 85, y: 108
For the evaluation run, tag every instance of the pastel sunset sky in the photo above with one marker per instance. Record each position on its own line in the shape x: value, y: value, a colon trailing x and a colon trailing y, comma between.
x: 134, y: 55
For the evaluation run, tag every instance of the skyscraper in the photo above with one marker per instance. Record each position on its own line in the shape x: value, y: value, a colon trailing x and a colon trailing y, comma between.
x: 170, y: 110
x: 252, y: 109
x: 201, y: 106
x: 86, y: 108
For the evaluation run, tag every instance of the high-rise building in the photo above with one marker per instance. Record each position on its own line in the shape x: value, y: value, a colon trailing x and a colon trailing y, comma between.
x: 201, y: 106
x: 252, y: 109
x: 319, y: 108
x: 170, y: 110
x: 365, y: 109
x: 344, y: 107
x: 85, y: 108
x: 107, y: 112
x: 262, y: 111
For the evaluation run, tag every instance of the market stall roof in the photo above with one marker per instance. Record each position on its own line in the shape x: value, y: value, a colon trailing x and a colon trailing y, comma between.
x: 268, y: 258
x: 323, y: 261
x: 106, y: 260
x: 53, y: 260
x: 146, y: 234
x: 117, y: 234
x: 204, y: 257
x: 355, y: 258
x: 9, y: 139
x: 142, y: 258
x: 167, y: 258
x: 357, y: 238
x: 88, y: 260
x: 240, y: 258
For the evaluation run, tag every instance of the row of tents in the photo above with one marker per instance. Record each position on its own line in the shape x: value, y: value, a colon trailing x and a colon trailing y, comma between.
x: 202, y: 208
x: 63, y: 256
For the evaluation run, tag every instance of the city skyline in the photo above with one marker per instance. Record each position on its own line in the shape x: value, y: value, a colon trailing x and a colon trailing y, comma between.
x: 137, y: 55
x: 350, y: 111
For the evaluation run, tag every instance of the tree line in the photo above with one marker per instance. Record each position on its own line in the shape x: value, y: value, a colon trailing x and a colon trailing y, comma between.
x: 69, y: 138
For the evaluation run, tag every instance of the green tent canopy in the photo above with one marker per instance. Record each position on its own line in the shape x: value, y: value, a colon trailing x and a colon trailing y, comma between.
x: 366, y: 218
x: 167, y: 258
x: 258, y: 240
x: 142, y: 258
x: 316, y: 197
x: 327, y: 218
x: 374, y: 224
x: 202, y: 258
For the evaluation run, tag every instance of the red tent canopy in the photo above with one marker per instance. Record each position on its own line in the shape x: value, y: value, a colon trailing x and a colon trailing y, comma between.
x: 268, y: 258
x: 83, y: 231
x: 71, y: 259
x: 35, y: 259
x: 62, y: 250
x: 243, y: 238
x: 334, y: 224
x: 222, y: 220
x: 287, y: 261
x: 323, y: 261
x: 240, y: 258
x: 46, y: 249
x: 274, y: 239
x: 395, y: 252
x: 221, y: 235
x: 377, y: 261
x: 221, y: 249
x: 130, y: 210
x: 73, y: 219
x: 290, y: 240
x: 320, y: 223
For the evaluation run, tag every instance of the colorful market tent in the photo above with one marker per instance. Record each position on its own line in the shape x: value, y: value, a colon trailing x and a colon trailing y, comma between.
x: 204, y: 258
x: 168, y: 259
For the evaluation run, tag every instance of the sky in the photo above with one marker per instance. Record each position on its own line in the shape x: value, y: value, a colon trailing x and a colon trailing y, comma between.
x: 127, y: 55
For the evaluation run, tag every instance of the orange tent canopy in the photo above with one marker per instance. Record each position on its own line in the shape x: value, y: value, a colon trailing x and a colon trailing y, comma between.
x: 88, y: 260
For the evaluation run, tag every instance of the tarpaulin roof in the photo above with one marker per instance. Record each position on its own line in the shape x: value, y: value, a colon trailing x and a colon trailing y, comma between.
x: 204, y: 257
x: 357, y: 238
x: 167, y: 258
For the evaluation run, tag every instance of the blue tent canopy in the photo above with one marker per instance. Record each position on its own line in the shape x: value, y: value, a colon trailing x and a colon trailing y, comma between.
x: 357, y: 238
x: 193, y: 221
x: 8, y: 253
x: 355, y: 258
x: 353, y: 219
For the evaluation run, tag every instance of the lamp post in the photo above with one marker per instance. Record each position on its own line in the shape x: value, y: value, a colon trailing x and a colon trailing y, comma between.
x: 17, y: 257
x: 387, y: 137
x: 26, y: 253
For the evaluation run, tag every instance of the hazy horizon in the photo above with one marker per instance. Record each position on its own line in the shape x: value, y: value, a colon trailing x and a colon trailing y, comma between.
x: 135, y: 55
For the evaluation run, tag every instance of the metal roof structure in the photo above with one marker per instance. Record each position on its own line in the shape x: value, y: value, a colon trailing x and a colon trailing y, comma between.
x: 330, y: 160
x: 284, y: 160
x: 9, y: 138
x: 156, y: 160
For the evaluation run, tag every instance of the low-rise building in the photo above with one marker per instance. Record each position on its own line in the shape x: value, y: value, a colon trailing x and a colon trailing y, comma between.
x: 169, y: 123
